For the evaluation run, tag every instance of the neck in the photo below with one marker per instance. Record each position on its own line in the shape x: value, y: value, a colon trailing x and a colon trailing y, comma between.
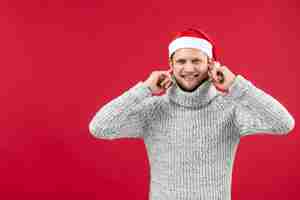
x: 199, y: 96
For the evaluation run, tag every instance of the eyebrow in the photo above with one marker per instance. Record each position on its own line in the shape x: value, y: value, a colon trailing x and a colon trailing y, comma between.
x: 179, y: 59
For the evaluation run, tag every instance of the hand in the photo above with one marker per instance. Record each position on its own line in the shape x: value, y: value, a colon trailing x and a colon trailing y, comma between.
x: 159, y: 81
x: 220, y: 75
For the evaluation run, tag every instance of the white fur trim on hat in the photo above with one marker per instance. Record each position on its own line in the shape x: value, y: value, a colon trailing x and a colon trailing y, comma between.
x: 191, y: 42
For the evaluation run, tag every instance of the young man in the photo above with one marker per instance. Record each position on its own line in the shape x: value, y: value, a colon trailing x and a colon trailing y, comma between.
x: 192, y: 131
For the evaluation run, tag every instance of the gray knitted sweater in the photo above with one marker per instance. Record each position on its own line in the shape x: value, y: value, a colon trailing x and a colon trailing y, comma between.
x: 191, y: 137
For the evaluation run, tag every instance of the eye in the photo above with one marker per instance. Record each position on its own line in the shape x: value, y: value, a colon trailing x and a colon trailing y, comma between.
x: 180, y: 61
x: 197, y: 61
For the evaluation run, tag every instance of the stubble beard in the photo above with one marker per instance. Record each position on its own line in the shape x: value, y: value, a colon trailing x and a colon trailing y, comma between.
x: 194, y: 88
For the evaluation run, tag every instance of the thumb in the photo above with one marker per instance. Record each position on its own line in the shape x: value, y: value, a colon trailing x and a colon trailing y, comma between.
x: 166, y: 73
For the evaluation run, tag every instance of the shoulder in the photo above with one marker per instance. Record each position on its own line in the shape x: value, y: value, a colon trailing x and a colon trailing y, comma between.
x: 155, y: 105
x: 151, y: 103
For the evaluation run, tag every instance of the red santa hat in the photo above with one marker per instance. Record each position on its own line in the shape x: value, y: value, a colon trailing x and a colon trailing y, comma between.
x: 192, y: 38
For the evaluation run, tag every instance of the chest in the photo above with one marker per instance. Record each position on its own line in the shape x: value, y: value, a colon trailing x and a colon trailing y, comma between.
x: 187, y: 127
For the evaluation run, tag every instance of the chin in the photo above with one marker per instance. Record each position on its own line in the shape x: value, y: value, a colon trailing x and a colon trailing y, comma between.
x: 191, y: 88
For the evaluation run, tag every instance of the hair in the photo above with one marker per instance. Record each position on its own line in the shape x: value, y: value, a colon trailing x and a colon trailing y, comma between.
x: 172, y: 55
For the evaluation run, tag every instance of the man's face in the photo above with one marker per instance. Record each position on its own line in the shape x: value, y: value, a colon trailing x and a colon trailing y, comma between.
x: 190, y: 68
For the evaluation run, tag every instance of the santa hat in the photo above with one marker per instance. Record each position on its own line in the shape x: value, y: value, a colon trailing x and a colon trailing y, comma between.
x: 192, y: 38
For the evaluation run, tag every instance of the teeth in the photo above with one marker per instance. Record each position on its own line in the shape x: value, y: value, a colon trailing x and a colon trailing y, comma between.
x: 189, y: 77
x: 196, y: 75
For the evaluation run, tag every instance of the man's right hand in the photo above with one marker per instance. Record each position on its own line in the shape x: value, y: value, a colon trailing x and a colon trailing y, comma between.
x: 159, y: 81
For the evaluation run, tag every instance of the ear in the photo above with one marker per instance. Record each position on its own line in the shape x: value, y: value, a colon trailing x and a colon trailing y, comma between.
x: 170, y: 63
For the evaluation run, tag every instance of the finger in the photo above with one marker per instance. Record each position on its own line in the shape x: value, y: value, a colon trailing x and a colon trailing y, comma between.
x: 220, y: 77
x: 168, y: 84
x: 213, y: 64
x: 164, y: 84
x: 223, y: 68
x: 170, y: 74
x: 217, y: 64
x: 167, y: 73
x: 213, y: 73
x: 210, y: 60
x: 161, y: 78
x: 166, y: 79
x: 209, y: 76
x: 210, y: 66
x: 222, y: 73
x: 209, y: 73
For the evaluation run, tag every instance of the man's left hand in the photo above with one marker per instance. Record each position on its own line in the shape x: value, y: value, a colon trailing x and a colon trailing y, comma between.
x: 220, y: 75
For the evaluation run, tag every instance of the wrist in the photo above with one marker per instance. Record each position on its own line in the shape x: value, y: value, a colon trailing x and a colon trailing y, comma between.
x: 239, y: 86
x: 148, y: 86
x: 233, y: 79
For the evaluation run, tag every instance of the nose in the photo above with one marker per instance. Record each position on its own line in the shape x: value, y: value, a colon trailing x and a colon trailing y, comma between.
x: 189, y: 67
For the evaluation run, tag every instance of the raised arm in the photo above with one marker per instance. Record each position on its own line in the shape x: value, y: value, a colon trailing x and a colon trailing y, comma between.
x: 124, y: 116
x: 256, y: 111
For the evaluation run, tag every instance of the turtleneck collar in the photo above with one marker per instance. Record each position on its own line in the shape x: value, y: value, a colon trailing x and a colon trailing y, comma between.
x: 201, y: 96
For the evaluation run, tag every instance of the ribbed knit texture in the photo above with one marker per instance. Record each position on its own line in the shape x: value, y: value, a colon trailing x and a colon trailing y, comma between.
x: 191, y: 137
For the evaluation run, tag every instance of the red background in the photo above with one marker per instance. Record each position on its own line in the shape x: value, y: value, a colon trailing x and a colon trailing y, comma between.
x: 62, y: 60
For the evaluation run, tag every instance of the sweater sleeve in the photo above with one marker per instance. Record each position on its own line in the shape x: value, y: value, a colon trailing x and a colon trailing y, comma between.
x: 124, y: 116
x: 256, y: 111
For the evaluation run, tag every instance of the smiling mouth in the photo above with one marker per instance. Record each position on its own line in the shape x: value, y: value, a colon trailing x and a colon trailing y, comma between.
x: 189, y: 77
